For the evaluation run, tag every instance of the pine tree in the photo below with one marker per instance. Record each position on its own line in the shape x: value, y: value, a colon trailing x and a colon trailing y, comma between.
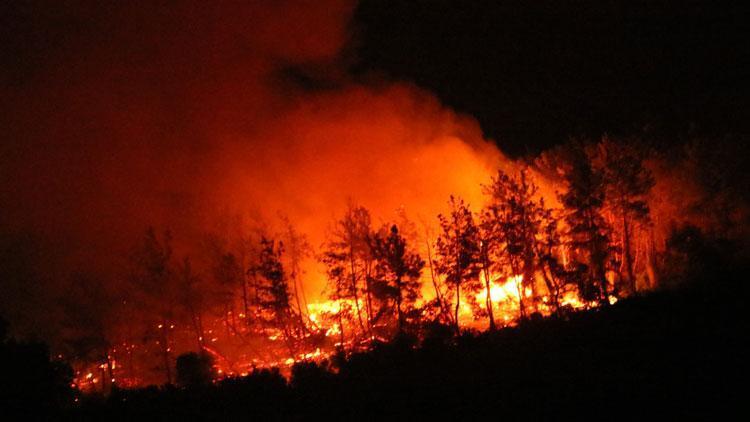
x: 348, y: 258
x: 192, y: 298
x: 458, y: 251
x: 626, y: 184
x: 588, y: 232
x: 154, y: 282
x: 553, y: 272
x: 298, y: 249
x: 274, y: 297
x: 512, y: 223
x: 398, y: 271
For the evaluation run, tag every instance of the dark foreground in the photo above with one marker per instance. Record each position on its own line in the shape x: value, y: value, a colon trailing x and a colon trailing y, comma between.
x: 667, y: 355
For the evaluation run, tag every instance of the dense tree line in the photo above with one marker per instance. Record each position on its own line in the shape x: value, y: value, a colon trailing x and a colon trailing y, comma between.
x: 575, y: 367
x: 579, y: 226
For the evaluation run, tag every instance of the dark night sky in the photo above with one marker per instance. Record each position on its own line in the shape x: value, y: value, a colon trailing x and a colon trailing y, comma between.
x: 534, y: 73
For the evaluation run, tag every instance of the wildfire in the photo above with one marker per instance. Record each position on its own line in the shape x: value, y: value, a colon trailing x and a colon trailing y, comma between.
x: 500, y: 292
x: 378, y: 281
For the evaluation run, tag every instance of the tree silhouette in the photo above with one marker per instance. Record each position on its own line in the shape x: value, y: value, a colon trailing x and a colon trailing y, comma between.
x: 192, y: 297
x: 348, y: 258
x: 588, y: 232
x: 458, y: 251
x: 626, y: 184
x: 87, y: 323
x: 398, y: 271
x: 274, y: 297
x: 511, y: 223
x: 153, y: 278
x: 195, y: 369
x: 297, y: 249
x: 553, y: 271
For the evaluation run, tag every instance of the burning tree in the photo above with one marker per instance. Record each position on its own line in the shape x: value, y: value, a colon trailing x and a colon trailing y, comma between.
x: 274, y: 298
x: 588, y: 232
x: 553, y: 272
x: 348, y: 258
x: 297, y: 249
x: 155, y: 289
x: 459, y: 251
x: 87, y: 323
x: 193, y: 299
x: 511, y: 225
x: 229, y: 261
x: 398, y: 272
x: 626, y: 184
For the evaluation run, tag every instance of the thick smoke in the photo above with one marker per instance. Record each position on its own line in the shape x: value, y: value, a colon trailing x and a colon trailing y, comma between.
x: 177, y: 114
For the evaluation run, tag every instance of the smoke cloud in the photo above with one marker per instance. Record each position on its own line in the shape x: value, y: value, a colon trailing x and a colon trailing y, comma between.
x: 177, y: 114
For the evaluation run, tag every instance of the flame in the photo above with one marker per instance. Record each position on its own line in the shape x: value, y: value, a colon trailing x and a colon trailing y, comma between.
x: 505, y: 291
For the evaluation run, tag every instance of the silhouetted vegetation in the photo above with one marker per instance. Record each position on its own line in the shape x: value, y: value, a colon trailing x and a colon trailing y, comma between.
x: 249, y: 342
x: 195, y: 369
x: 228, y: 212
x: 674, y: 353
x: 30, y: 382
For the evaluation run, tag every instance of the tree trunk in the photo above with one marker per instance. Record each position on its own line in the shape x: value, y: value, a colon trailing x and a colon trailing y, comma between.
x: 166, y: 350
x: 368, y: 297
x: 438, y: 295
x: 458, y: 303
x: 398, y: 307
x: 552, y: 289
x: 341, y: 323
x: 244, y: 296
x: 488, y: 298
x: 521, y: 304
x: 197, y: 327
x: 354, y: 291
x: 597, y: 264
x: 627, y: 256
x: 651, y: 261
x: 528, y: 277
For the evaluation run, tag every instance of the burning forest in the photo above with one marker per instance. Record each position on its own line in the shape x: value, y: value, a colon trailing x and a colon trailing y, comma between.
x: 204, y: 194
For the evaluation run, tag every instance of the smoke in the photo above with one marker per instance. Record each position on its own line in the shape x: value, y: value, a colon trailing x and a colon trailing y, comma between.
x: 173, y: 115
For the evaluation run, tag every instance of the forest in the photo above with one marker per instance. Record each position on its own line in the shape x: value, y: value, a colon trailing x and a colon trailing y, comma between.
x: 577, y: 229
x: 339, y: 208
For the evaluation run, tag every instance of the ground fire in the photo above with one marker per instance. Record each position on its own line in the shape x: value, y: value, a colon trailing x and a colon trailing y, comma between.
x: 573, y: 230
